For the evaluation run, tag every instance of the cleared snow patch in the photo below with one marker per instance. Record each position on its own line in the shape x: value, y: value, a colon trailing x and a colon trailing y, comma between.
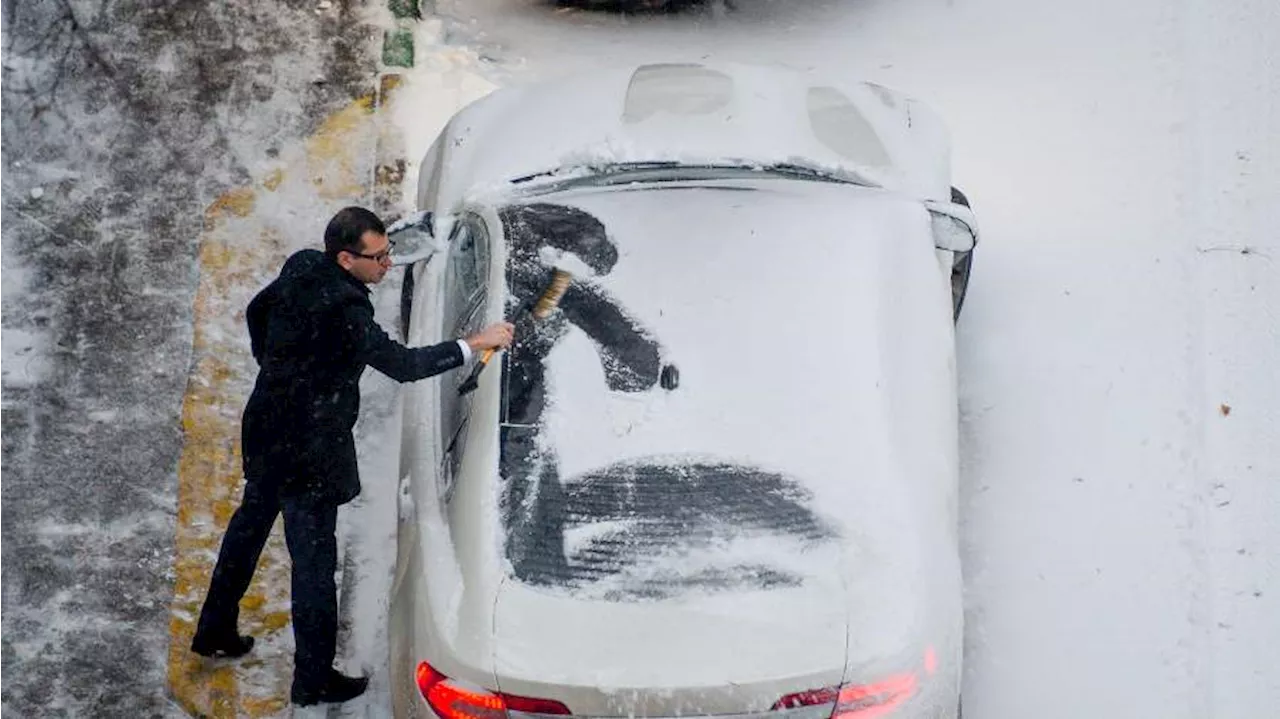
x: 22, y: 357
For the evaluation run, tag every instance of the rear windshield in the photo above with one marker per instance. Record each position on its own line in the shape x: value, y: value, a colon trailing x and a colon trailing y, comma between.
x: 643, y: 528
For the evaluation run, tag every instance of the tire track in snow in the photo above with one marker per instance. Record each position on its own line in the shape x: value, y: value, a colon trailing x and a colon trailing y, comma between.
x: 1233, y: 171
x: 1198, y: 647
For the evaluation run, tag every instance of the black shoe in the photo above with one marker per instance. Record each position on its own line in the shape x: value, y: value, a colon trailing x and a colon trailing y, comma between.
x: 337, y: 688
x: 221, y: 645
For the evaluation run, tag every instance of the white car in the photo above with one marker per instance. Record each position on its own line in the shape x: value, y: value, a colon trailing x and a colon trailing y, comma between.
x: 720, y: 476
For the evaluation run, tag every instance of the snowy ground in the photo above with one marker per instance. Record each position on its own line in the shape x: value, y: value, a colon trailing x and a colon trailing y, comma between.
x: 1121, y: 449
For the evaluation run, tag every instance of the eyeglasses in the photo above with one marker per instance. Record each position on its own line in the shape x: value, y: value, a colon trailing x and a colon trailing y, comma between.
x: 378, y: 257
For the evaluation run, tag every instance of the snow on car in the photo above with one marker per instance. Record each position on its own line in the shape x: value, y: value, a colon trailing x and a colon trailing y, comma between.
x: 720, y: 477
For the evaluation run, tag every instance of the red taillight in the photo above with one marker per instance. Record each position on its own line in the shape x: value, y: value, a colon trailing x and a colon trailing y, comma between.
x: 930, y: 661
x: 450, y: 701
x: 533, y: 706
x: 871, y: 701
x: 863, y: 701
x: 813, y: 697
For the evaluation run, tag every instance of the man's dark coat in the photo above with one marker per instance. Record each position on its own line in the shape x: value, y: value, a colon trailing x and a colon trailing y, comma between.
x: 313, y: 333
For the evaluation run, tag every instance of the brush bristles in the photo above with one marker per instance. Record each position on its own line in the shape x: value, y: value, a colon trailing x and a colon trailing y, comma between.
x: 547, y: 303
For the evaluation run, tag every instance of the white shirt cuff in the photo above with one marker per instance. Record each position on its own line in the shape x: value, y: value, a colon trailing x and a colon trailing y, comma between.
x: 466, y: 351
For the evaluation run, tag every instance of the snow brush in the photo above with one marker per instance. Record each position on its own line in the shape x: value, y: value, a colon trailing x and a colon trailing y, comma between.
x: 545, y: 305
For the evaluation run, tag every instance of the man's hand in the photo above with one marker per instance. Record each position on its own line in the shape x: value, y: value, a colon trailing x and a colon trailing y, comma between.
x: 496, y: 336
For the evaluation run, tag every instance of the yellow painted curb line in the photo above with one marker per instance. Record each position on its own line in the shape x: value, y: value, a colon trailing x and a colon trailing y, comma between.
x: 248, y: 232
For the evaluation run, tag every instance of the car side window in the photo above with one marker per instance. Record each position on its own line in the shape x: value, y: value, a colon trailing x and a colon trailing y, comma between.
x: 464, y: 279
x: 464, y: 292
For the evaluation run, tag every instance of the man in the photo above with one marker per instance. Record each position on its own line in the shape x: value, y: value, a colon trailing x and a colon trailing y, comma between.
x: 312, y: 332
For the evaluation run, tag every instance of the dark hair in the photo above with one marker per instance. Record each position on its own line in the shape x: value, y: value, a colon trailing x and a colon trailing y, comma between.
x: 347, y: 228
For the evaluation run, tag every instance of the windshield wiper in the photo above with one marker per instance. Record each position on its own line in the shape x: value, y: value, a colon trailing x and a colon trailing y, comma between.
x: 670, y: 170
x: 603, y: 170
x: 813, y: 173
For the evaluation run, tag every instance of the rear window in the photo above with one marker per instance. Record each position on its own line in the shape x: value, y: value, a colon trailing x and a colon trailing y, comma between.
x: 649, y: 528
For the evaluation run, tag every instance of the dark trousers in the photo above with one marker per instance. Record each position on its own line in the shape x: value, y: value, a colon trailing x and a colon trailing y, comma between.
x: 310, y: 531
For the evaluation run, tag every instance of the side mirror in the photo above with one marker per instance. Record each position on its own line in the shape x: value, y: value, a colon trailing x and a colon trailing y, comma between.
x: 954, y: 226
x: 411, y: 238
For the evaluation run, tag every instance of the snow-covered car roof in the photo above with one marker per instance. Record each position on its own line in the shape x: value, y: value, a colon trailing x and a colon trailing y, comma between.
x: 690, y: 113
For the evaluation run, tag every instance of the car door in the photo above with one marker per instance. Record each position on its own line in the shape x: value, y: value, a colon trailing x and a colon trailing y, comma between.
x: 465, y: 289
